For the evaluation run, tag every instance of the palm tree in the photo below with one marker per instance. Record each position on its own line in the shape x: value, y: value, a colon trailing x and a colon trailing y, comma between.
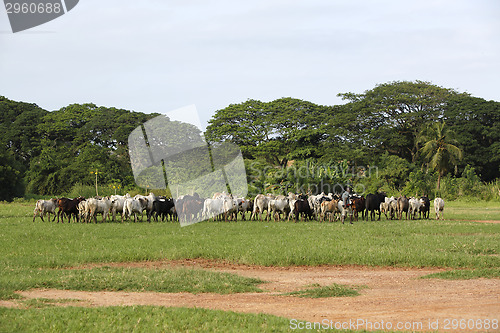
x: 439, y: 150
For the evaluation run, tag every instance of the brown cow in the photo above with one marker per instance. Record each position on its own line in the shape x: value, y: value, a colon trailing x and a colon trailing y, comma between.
x: 403, y: 206
x: 68, y: 207
x: 331, y: 207
x: 358, y: 205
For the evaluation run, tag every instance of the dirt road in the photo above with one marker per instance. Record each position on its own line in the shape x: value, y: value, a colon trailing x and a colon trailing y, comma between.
x: 395, y: 297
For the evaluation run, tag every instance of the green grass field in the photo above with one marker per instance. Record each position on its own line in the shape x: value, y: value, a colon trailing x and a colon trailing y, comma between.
x: 38, y: 254
x: 333, y: 290
x: 138, y: 319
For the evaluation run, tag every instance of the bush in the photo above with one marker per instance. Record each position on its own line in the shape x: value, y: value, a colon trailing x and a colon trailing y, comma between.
x: 420, y: 182
x: 79, y: 189
x: 470, y: 183
x: 394, y: 170
x: 450, y: 189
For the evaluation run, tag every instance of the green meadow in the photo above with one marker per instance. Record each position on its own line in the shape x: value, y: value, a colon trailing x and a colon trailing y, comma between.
x: 50, y: 255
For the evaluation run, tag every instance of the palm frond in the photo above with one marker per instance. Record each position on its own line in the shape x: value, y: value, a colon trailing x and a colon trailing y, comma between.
x: 438, y: 149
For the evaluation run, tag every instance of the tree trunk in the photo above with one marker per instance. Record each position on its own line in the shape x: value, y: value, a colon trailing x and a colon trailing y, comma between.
x: 439, y: 181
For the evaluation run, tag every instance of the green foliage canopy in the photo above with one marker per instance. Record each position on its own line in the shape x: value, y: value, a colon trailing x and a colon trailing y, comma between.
x: 49, y: 152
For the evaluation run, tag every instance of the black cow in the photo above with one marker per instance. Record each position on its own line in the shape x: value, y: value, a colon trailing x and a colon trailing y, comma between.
x: 162, y: 208
x: 372, y: 203
x: 302, y: 207
x: 426, y: 207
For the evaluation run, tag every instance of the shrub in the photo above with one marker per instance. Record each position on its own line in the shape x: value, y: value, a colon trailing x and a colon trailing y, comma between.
x: 420, y: 182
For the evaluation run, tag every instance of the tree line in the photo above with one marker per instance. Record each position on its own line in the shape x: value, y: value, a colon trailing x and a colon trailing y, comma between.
x: 48, y: 153
x: 405, y: 128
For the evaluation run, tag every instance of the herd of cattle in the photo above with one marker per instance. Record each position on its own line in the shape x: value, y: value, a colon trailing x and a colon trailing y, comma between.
x: 226, y: 207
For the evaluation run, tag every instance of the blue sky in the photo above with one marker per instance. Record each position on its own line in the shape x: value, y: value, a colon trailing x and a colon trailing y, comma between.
x: 157, y: 56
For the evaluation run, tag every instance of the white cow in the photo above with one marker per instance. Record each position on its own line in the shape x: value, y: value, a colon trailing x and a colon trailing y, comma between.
x: 384, y: 208
x: 230, y: 208
x: 45, y: 206
x: 149, y: 203
x: 83, y: 210
x: 439, y: 207
x: 134, y: 206
x: 118, y: 204
x: 260, y: 204
x: 392, y: 206
x: 244, y: 206
x: 212, y: 208
x: 315, y: 203
x: 414, y: 207
x: 291, y: 203
x: 278, y: 206
x: 101, y: 206
x: 344, y: 212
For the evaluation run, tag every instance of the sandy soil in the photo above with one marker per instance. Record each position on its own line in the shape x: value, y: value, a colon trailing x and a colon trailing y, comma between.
x: 392, y: 297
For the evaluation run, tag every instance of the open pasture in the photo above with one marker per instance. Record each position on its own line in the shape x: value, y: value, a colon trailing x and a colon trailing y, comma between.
x: 454, y: 242
x: 80, y: 256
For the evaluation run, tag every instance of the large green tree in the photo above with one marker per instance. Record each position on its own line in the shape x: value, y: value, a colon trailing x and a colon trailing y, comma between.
x: 476, y: 123
x: 52, y: 151
x: 277, y: 131
x: 392, y: 114
x: 11, y: 173
x: 18, y: 128
x: 80, y: 138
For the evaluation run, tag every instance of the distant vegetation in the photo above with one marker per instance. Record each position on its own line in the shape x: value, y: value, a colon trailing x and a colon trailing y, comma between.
x: 381, y: 139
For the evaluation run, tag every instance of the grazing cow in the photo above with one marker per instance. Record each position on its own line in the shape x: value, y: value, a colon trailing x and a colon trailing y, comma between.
x: 83, y: 211
x: 213, y: 208
x: 189, y: 207
x: 260, y: 204
x: 358, y: 205
x: 329, y: 207
x: 301, y: 206
x: 439, y: 207
x: 403, y: 206
x: 372, y: 204
x: 118, y: 204
x: 134, y: 206
x: 162, y: 208
x: 149, y: 203
x: 414, y: 207
x: 101, y: 206
x: 244, y: 206
x: 426, y: 207
x: 45, y: 206
x: 68, y: 207
x: 278, y: 206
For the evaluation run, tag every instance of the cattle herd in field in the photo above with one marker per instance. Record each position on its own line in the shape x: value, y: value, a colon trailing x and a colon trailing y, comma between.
x: 227, y: 207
